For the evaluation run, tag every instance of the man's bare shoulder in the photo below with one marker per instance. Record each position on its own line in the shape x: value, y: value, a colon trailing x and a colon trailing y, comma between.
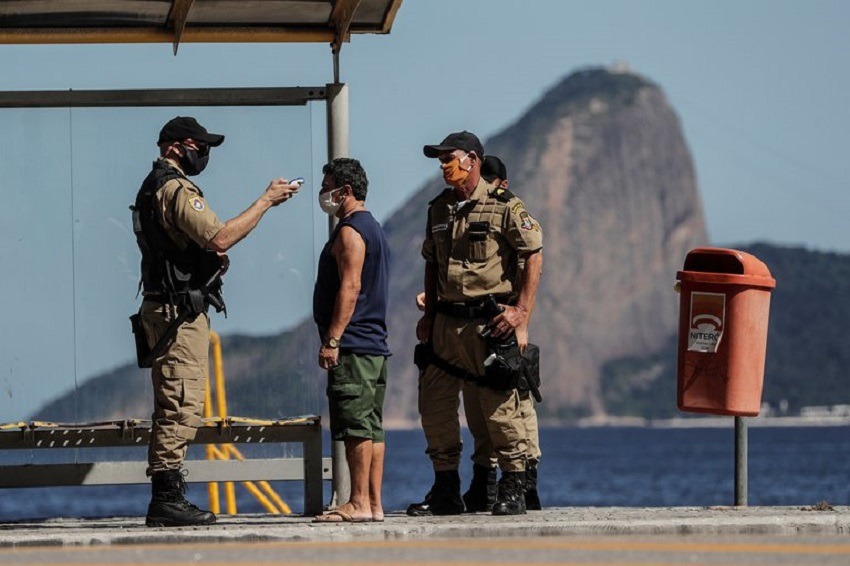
x: 348, y: 239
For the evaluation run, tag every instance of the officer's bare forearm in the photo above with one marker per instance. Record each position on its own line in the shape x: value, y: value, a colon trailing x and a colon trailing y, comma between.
x: 430, y: 289
x: 235, y: 229
x: 530, y: 281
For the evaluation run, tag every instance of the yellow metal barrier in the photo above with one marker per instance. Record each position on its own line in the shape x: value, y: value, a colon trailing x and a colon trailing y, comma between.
x: 267, y: 497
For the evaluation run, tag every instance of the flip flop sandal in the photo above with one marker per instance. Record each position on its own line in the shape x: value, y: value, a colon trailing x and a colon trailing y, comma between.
x: 343, y: 518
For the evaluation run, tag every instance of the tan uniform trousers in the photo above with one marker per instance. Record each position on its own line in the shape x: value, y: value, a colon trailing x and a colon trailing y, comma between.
x: 488, y: 412
x: 529, y: 417
x: 179, y: 385
x: 483, y: 453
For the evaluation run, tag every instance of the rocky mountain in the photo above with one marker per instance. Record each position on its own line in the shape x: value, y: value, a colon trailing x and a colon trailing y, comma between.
x: 602, y: 163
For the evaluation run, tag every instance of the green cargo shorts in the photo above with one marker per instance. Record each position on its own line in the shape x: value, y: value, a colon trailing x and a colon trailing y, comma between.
x: 356, y: 389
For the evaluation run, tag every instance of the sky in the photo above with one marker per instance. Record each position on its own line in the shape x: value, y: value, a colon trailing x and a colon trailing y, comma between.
x: 759, y: 87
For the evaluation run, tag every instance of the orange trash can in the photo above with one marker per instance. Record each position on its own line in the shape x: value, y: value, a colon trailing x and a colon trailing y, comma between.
x: 723, y: 313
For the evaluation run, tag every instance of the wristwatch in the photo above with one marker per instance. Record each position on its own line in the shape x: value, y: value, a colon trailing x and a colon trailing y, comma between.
x: 332, y: 343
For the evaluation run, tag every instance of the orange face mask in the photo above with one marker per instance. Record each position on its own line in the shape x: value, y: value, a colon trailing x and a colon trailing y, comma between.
x: 453, y: 173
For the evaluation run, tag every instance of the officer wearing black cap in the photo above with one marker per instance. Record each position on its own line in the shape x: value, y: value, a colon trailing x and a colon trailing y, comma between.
x: 183, y: 245
x: 477, y: 233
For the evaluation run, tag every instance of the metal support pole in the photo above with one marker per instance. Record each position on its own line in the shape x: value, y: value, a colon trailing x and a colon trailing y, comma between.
x: 337, y: 96
x: 336, y: 65
x: 337, y: 108
x: 740, y: 462
x: 337, y: 119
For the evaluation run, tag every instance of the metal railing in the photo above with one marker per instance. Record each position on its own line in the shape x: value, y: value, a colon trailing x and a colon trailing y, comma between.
x: 218, y: 433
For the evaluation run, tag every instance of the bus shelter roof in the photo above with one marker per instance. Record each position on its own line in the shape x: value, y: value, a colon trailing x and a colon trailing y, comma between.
x: 200, y: 21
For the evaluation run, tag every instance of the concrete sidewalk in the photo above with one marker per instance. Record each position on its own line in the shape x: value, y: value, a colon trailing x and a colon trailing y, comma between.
x: 550, y: 522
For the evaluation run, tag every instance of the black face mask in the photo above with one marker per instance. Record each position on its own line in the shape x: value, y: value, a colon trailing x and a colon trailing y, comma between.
x: 194, y: 160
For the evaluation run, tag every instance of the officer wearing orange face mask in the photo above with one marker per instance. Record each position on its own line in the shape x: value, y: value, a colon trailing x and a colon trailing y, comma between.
x: 477, y: 234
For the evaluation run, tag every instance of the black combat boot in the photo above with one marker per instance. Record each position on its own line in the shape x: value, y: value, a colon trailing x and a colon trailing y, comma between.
x: 532, y: 499
x: 482, y: 491
x: 443, y: 498
x: 168, y: 507
x: 511, y: 497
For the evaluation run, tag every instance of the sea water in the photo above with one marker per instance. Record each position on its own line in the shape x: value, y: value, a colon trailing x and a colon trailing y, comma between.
x: 630, y: 467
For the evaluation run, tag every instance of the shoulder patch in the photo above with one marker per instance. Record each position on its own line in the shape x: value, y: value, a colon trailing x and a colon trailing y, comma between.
x: 527, y: 222
x: 439, y: 196
x: 503, y: 195
x: 197, y: 203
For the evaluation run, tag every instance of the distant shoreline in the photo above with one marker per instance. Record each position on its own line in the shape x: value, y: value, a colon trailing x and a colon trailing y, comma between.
x: 752, y: 422
x: 675, y: 422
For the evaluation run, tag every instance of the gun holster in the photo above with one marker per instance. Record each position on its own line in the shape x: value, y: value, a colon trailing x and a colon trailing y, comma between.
x: 143, y: 350
x: 532, y: 372
x: 509, y: 369
x: 423, y: 355
x: 195, y: 302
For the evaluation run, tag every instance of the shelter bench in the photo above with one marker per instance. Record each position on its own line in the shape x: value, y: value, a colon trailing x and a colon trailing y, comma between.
x: 312, y: 469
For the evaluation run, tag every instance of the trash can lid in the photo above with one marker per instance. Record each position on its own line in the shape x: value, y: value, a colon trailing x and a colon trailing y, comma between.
x: 723, y: 265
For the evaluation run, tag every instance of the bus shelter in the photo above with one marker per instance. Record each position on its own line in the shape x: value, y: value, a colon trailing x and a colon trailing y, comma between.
x: 176, y: 22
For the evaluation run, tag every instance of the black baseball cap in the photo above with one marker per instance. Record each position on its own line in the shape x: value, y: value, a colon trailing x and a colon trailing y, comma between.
x: 184, y: 127
x: 493, y: 167
x: 467, y: 141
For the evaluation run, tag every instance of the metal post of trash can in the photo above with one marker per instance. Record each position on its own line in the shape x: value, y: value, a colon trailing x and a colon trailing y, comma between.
x: 740, y: 462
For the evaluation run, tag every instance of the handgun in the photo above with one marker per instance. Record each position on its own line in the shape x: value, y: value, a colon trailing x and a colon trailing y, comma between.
x: 490, y: 308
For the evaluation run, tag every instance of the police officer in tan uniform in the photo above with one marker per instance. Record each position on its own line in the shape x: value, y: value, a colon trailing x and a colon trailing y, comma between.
x: 183, y: 243
x: 493, y: 171
x: 476, y: 235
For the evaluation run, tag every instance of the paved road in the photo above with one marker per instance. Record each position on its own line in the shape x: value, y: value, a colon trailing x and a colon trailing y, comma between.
x: 577, y: 535
x: 627, y: 550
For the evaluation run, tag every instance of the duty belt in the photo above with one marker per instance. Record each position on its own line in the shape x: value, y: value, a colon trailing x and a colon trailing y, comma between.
x: 456, y: 371
x: 474, y: 308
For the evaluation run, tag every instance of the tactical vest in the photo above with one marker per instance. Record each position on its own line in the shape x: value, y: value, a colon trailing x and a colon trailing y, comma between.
x: 166, y: 269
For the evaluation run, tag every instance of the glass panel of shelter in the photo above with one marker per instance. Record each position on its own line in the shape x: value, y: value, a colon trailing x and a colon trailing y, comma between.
x: 71, y: 266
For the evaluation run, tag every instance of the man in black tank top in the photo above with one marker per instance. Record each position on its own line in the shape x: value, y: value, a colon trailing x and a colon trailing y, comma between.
x: 350, y: 308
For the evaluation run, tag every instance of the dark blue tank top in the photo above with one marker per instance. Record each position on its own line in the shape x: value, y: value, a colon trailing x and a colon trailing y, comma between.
x: 366, y: 333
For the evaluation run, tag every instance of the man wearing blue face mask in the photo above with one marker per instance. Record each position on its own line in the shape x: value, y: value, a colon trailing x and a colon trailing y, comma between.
x: 183, y: 245
x: 350, y: 309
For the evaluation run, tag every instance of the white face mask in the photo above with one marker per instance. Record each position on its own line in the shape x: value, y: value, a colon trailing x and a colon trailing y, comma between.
x: 327, y: 204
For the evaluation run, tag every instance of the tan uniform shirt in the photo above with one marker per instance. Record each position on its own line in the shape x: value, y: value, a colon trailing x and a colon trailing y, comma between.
x: 184, y: 213
x: 477, y: 245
